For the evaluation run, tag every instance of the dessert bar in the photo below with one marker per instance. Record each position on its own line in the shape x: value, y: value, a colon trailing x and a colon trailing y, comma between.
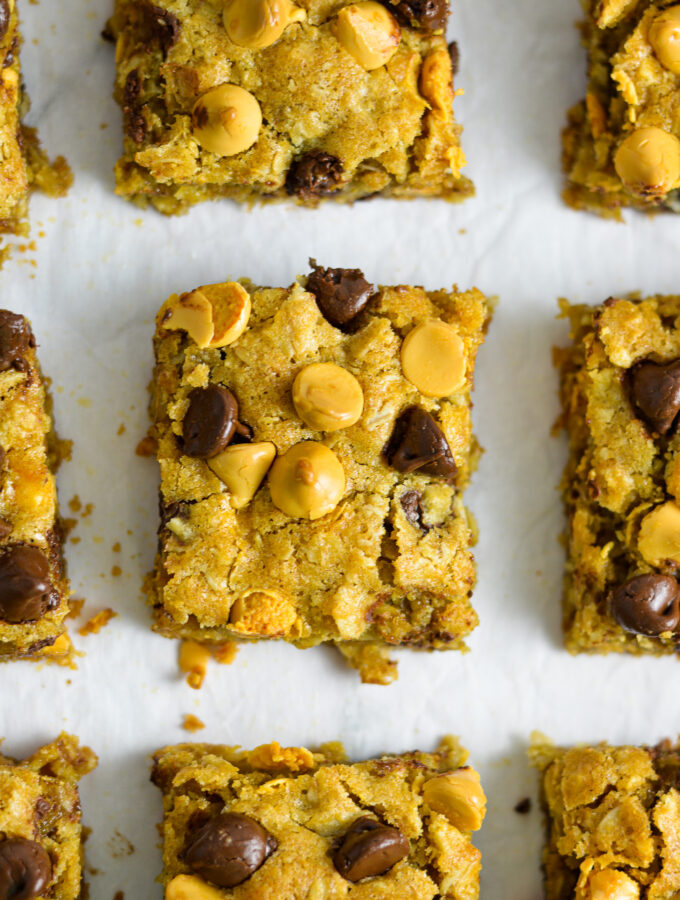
x: 612, y: 821
x: 314, y: 442
x: 622, y: 144
x: 268, y: 99
x: 41, y: 835
x: 289, y: 822
x: 34, y: 589
x: 621, y: 397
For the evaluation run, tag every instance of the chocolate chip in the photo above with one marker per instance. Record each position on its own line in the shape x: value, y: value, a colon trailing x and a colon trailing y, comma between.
x: 369, y: 848
x: 5, y: 15
x: 341, y: 294
x: 647, y: 604
x: 211, y: 421
x: 419, y: 444
x: 26, y: 592
x: 228, y: 849
x: 15, y: 339
x: 431, y: 15
x: 655, y: 390
x: 454, y: 53
x: 165, y: 28
x: 25, y: 869
x: 411, y: 503
x: 315, y: 174
x: 134, y: 123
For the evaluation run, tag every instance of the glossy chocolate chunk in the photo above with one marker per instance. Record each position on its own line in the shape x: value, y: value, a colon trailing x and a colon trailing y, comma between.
x: 655, y: 390
x: 15, y: 339
x: 428, y: 14
x: 4, y: 18
x: 164, y: 27
x: 25, y: 869
x: 647, y: 604
x: 211, y: 421
x: 341, y: 294
x: 315, y: 174
x: 25, y: 587
x: 228, y: 849
x: 419, y: 444
x: 369, y: 848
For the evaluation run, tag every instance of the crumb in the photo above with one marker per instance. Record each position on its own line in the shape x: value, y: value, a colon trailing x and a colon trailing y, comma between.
x: 116, y: 571
x: 116, y: 547
x: 524, y: 806
x: 75, y: 540
x: 103, y: 125
x: 68, y: 525
x: 225, y: 654
x: 75, y: 504
x: 97, y: 622
x: 193, y: 660
x: 121, y: 429
x: 75, y: 607
x: 84, y: 402
x: 146, y: 447
x: 192, y: 723
x: 120, y: 846
x: 88, y: 510
x: 462, y: 231
x: 119, y: 895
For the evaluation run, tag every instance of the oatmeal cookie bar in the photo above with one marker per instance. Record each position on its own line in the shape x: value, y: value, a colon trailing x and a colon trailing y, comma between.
x: 40, y: 821
x: 612, y: 821
x: 34, y: 589
x: 314, y: 442
x: 622, y: 143
x: 288, y: 822
x: 23, y: 164
x: 267, y: 99
x: 621, y: 396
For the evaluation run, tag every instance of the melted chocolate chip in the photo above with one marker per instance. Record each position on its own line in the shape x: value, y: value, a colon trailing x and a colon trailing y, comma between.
x: 454, y: 53
x: 25, y: 587
x: 655, y: 391
x: 647, y: 604
x: 210, y: 421
x: 315, y: 174
x: 431, y: 15
x: 341, y: 294
x: 15, y: 339
x: 228, y: 849
x: 411, y: 503
x: 134, y: 123
x: 25, y: 869
x: 5, y: 15
x: 369, y: 848
x: 418, y: 443
x: 165, y: 28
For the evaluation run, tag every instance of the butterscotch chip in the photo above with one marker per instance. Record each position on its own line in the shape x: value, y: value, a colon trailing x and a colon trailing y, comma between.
x: 242, y: 467
x: 458, y: 796
x: 226, y: 120
x: 193, y: 661
x: 190, y: 887
x: 263, y: 613
x: 257, y: 24
x: 327, y: 397
x: 611, y: 884
x: 369, y: 32
x: 659, y: 538
x: 307, y: 481
x: 433, y: 358
x: 436, y: 81
x: 648, y: 161
x: 664, y: 36
x: 214, y: 315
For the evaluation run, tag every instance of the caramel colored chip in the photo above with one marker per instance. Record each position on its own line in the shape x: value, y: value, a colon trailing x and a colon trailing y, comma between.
x: 433, y: 358
x: 664, y: 36
x: 369, y: 32
x: 189, y: 887
x: 458, y: 796
x: 610, y: 884
x: 327, y: 397
x: 214, y: 315
x: 242, y: 467
x: 262, y: 613
x: 257, y: 24
x: 193, y: 660
x: 648, y: 161
x: 308, y: 481
x: 226, y: 120
x: 659, y: 538
x: 436, y: 82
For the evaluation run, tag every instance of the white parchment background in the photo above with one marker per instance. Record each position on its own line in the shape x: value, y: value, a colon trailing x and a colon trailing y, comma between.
x: 101, y: 271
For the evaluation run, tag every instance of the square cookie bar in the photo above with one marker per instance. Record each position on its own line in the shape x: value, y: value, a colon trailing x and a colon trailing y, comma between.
x: 621, y: 396
x: 612, y: 821
x: 621, y: 146
x: 34, y: 589
x: 40, y: 823
x: 314, y: 442
x: 288, y: 822
x: 23, y: 164
x: 267, y: 99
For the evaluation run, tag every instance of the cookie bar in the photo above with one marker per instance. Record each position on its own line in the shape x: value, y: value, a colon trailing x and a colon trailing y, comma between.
x: 621, y: 396
x: 34, y: 589
x: 612, y: 821
x: 288, y: 822
x: 268, y: 99
x: 23, y: 164
x: 40, y: 821
x: 314, y: 442
x: 622, y: 144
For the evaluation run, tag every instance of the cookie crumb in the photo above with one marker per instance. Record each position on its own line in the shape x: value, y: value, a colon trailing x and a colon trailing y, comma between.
x: 97, y: 622
x: 225, y: 654
x: 524, y: 806
x: 192, y: 723
x: 146, y: 447
x: 75, y: 607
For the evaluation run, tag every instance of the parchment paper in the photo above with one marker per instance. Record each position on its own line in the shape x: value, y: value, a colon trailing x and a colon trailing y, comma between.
x: 100, y: 270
